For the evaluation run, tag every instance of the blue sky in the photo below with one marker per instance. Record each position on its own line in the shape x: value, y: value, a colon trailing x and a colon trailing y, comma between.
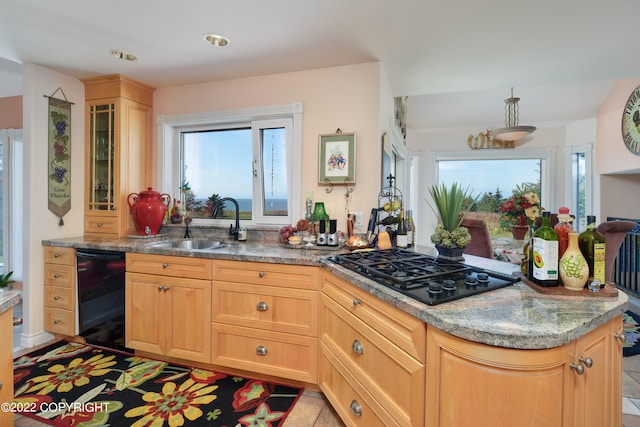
x: 484, y: 176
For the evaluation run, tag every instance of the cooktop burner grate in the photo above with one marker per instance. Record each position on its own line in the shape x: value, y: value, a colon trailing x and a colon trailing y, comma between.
x: 423, y: 277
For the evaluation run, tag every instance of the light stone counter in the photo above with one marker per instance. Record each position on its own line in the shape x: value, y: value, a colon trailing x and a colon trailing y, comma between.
x: 515, y: 317
x: 8, y: 298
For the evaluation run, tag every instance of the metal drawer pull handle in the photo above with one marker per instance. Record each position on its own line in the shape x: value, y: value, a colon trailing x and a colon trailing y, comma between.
x: 56, y: 255
x: 357, y: 347
x: 99, y: 224
x: 588, y: 362
x: 579, y: 368
x: 56, y: 298
x: 261, y: 350
x: 163, y: 288
x: 262, y: 306
x: 56, y: 276
x: 165, y: 265
x: 0, y: 385
x: 356, y: 301
x: 56, y: 321
x: 261, y: 274
x: 356, y: 408
x: 622, y: 337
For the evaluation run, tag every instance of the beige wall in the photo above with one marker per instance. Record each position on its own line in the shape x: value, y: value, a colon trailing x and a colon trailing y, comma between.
x: 341, y: 97
x: 11, y: 112
x: 618, y: 167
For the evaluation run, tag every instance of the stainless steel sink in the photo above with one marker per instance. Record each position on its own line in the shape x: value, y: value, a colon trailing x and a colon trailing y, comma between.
x: 191, y: 244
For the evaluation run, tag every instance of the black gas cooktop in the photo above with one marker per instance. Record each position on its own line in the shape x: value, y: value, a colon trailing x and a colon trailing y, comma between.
x: 423, y: 277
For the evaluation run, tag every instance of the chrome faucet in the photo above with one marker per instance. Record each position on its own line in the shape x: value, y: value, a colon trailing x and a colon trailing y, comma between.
x: 232, y: 231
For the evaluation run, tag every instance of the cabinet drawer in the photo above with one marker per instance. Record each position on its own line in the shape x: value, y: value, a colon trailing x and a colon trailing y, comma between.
x: 59, y: 297
x: 60, y: 275
x: 266, y: 307
x: 393, y: 377
x: 60, y: 321
x: 258, y: 273
x: 283, y: 355
x: 400, y: 328
x: 166, y: 265
x: 100, y: 224
x: 59, y: 255
x: 353, y: 403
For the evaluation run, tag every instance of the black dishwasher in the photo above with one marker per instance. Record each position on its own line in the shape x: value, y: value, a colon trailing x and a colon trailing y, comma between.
x: 101, y: 297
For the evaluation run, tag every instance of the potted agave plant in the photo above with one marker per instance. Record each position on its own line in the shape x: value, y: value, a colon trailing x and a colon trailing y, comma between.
x: 5, y: 280
x: 451, y: 204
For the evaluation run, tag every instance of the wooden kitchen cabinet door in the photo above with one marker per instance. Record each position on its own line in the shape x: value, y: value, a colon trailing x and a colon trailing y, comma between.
x: 477, y: 385
x: 598, y: 390
x: 168, y: 316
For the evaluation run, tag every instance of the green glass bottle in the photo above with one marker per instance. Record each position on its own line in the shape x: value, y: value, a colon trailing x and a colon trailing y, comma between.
x: 592, y: 246
x: 545, y: 253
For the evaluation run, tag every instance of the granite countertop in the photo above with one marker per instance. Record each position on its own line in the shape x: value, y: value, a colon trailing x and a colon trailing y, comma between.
x: 514, y: 317
x: 8, y: 298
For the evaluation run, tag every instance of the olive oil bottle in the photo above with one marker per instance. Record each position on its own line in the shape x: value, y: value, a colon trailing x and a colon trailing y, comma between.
x: 592, y: 246
x: 545, y: 253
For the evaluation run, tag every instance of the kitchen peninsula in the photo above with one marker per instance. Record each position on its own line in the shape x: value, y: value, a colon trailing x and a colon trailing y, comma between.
x: 510, y: 354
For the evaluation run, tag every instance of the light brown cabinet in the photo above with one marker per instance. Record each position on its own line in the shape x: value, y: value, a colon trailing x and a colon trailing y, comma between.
x: 117, y: 151
x: 167, y: 308
x: 6, y: 365
x: 472, y: 384
x: 265, y: 318
x: 60, y: 290
x: 372, y: 359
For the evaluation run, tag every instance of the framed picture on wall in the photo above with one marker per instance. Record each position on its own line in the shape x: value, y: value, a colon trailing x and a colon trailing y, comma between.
x: 337, y: 158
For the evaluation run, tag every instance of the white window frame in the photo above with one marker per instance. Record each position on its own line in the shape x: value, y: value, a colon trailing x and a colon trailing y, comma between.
x: 12, y: 211
x: 547, y: 157
x: 570, y: 184
x: 171, y: 126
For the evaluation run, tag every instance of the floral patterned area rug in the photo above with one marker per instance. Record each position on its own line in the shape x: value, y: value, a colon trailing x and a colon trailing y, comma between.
x: 71, y: 384
x: 631, y: 324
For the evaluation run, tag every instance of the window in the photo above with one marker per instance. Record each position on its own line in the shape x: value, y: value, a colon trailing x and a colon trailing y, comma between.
x: 11, y: 202
x: 493, y: 176
x: 579, y: 184
x: 251, y: 156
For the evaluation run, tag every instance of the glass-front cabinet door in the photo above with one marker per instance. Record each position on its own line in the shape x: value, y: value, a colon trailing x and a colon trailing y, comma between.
x: 101, y: 157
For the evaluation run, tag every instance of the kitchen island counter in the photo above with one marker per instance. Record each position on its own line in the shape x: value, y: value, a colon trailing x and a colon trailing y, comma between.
x: 513, y: 317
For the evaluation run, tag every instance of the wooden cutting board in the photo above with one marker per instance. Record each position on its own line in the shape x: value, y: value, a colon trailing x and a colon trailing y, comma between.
x: 609, y: 290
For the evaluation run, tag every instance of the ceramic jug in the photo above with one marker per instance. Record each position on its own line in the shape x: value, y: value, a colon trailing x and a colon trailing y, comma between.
x: 574, y: 270
x: 148, y: 209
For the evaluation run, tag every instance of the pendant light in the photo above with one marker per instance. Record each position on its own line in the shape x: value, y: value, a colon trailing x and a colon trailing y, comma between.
x: 512, y: 131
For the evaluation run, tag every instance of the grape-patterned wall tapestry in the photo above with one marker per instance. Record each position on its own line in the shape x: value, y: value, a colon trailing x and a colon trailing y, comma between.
x: 59, y: 188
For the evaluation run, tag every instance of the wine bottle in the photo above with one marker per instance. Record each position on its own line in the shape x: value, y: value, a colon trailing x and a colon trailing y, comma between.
x: 401, y: 237
x: 411, y: 239
x: 545, y: 253
x: 593, y: 248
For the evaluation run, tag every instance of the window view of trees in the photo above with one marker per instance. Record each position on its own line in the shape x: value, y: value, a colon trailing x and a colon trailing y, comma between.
x: 495, y: 182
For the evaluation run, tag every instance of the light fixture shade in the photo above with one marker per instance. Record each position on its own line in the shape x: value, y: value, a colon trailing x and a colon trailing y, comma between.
x: 512, y: 131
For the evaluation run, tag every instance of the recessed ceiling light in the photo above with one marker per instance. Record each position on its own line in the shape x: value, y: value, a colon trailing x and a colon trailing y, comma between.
x: 216, y: 40
x: 125, y: 56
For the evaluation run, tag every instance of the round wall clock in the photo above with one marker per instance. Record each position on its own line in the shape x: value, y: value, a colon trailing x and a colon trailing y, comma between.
x: 631, y: 122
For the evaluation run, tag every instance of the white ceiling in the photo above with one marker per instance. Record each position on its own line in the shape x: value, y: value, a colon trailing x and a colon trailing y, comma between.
x: 455, y: 59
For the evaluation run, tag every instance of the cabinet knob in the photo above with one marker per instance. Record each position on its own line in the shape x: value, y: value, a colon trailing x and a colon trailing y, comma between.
x: 99, y: 224
x: 579, y: 368
x: 56, y: 321
x: 588, y: 362
x: 56, y: 298
x: 0, y: 385
x: 622, y: 337
x: 262, y: 306
x: 165, y: 265
x: 357, y: 347
x: 163, y: 288
x: 56, y: 255
x: 356, y: 301
x: 56, y: 276
x: 261, y: 350
x: 261, y: 274
x: 356, y: 408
